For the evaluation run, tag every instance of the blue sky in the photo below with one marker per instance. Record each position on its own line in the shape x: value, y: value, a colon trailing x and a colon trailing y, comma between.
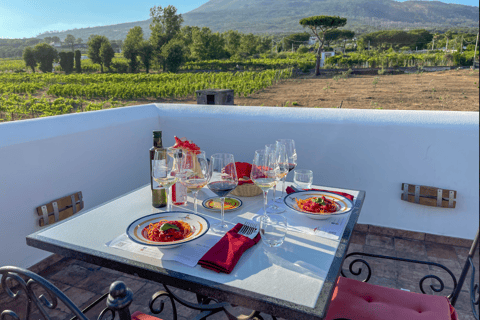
x: 27, y: 18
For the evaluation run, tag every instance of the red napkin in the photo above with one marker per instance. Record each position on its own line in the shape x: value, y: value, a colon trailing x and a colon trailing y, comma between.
x: 346, y: 195
x: 224, y: 255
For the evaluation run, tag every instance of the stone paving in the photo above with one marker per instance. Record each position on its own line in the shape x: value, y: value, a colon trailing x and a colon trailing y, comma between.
x: 84, y: 283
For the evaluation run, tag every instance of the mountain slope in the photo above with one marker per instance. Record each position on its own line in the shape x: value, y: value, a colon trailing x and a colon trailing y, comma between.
x: 280, y: 16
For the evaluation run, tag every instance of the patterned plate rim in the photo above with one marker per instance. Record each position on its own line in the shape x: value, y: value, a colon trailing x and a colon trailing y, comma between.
x: 330, y: 194
x: 167, y: 244
x: 218, y: 210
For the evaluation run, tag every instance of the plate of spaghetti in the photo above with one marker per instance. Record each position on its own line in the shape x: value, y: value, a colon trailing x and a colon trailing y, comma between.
x: 167, y: 229
x: 318, y: 204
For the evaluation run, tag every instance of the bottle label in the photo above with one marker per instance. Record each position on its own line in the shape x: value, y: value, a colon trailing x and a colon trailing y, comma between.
x: 159, y: 166
x: 179, y: 194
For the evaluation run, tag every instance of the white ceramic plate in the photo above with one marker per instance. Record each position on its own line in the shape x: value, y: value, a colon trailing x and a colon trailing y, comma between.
x: 198, y: 225
x: 213, y: 204
x: 344, y: 204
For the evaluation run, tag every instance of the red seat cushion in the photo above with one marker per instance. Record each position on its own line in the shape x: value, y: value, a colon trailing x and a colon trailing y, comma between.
x: 358, y: 300
x: 137, y: 315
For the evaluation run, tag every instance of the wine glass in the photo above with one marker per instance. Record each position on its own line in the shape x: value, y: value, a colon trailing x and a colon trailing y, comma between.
x: 222, y: 179
x: 194, y: 173
x: 276, y: 154
x: 264, y: 173
x: 291, y: 156
x: 165, y: 169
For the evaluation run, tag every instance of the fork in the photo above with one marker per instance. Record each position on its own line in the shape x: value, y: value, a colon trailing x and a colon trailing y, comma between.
x: 249, y: 229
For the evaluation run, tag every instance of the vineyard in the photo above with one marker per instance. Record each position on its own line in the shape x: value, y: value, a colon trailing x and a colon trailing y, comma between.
x: 60, y: 94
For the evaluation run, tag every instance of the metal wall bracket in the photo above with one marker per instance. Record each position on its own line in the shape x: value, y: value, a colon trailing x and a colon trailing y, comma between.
x: 55, y: 211
x: 429, y: 196
x: 45, y: 214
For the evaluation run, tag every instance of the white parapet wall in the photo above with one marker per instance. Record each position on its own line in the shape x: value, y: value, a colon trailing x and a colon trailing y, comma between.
x: 371, y: 150
x: 104, y: 155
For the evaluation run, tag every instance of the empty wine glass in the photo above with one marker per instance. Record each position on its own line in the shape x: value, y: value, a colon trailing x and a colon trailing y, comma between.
x: 165, y: 169
x: 277, y: 155
x: 264, y: 173
x: 291, y: 156
x: 222, y: 179
x: 194, y: 173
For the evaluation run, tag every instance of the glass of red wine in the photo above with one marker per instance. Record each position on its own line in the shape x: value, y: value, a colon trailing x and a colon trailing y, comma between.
x: 291, y: 155
x: 222, y: 179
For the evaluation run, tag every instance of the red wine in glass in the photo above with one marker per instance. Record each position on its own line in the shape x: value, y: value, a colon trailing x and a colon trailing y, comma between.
x: 291, y: 166
x: 221, y: 188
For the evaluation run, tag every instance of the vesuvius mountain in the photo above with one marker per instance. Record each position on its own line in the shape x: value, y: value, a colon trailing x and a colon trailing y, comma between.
x: 282, y: 16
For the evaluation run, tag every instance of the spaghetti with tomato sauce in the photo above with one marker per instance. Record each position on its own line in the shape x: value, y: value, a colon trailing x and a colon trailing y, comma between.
x: 312, y: 205
x: 153, y: 233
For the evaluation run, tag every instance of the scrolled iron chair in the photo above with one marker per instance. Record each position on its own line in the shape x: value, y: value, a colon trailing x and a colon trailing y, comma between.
x: 359, y: 300
x: 43, y: 295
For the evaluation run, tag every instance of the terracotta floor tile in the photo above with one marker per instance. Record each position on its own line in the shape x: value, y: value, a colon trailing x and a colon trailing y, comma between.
x: 379, y: 241
x: 71, y: 274
x: 99, y: 281
x: 358, y: 238
x: 410, y: 246
x: 441, y: 251
x: 81, y: 298
x: 353, y: 247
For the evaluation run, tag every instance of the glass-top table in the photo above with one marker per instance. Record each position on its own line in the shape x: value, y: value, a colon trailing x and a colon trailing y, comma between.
x: 294, y: 281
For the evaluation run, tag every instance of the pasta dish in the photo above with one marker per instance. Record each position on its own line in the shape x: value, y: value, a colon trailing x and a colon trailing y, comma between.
x: 320, y: 205
x: 167, y: 231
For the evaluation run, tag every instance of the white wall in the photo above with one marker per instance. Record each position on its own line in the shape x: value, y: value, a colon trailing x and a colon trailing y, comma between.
x: 103, y: 154
x: 371, y: 150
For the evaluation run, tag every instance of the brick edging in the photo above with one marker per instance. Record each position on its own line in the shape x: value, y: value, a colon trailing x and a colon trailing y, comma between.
x: 407, y: 234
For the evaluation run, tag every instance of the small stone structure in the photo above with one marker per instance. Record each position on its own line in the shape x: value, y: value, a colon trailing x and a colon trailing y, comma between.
x: 215, y: 96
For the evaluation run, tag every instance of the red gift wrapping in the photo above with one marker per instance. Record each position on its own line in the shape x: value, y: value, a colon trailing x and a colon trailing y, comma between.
x: 346, y: 195
x: 224, y: 255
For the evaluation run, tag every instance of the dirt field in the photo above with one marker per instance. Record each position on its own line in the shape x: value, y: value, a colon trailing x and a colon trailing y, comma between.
x: 447, y: 90
x: 454, y: 90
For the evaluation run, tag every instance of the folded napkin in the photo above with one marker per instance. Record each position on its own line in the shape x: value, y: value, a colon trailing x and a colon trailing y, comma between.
x: 346, y: 195
x: 224, y: 255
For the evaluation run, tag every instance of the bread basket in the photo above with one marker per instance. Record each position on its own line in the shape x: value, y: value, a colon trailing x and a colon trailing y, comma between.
x: 246, y: 190
x: 245, y: 187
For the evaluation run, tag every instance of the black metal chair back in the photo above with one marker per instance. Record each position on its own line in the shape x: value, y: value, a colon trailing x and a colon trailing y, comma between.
x: 39, y: 292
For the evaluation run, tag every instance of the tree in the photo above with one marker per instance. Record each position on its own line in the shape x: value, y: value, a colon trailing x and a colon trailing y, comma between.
x: 106, y: 53
x: 346, y: 35
x: 78, y: 59
x: 165, y: 26
x: 232, y: 41
x: 173, y: 55
x: 45, y: 54
x: 29, y: 58
x: 79, y: 40
x: 131, y: 47
x: 145, y: 52
x: 56, y: 39
x: 206, y: 45
x: 296, y: 40
x: 319, y: 25
x: 94, y: 44
x: 70, y: 40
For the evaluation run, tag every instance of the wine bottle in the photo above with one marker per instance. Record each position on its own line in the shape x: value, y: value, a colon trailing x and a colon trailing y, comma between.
x: 179, y: 191
x: 159, y: 196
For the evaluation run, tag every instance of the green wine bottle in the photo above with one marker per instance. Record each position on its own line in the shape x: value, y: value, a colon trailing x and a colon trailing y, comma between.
x: 159, y: 196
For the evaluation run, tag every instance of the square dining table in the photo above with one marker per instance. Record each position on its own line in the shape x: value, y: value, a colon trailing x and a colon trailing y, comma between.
x: 293, y: 281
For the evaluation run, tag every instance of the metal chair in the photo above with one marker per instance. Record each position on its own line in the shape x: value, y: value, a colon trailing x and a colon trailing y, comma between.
x: 367, y: 291
x: 43, y: 295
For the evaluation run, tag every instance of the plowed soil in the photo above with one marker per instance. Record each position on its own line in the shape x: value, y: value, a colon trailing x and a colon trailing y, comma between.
x: 453, y: 90
x: 446, y: 90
